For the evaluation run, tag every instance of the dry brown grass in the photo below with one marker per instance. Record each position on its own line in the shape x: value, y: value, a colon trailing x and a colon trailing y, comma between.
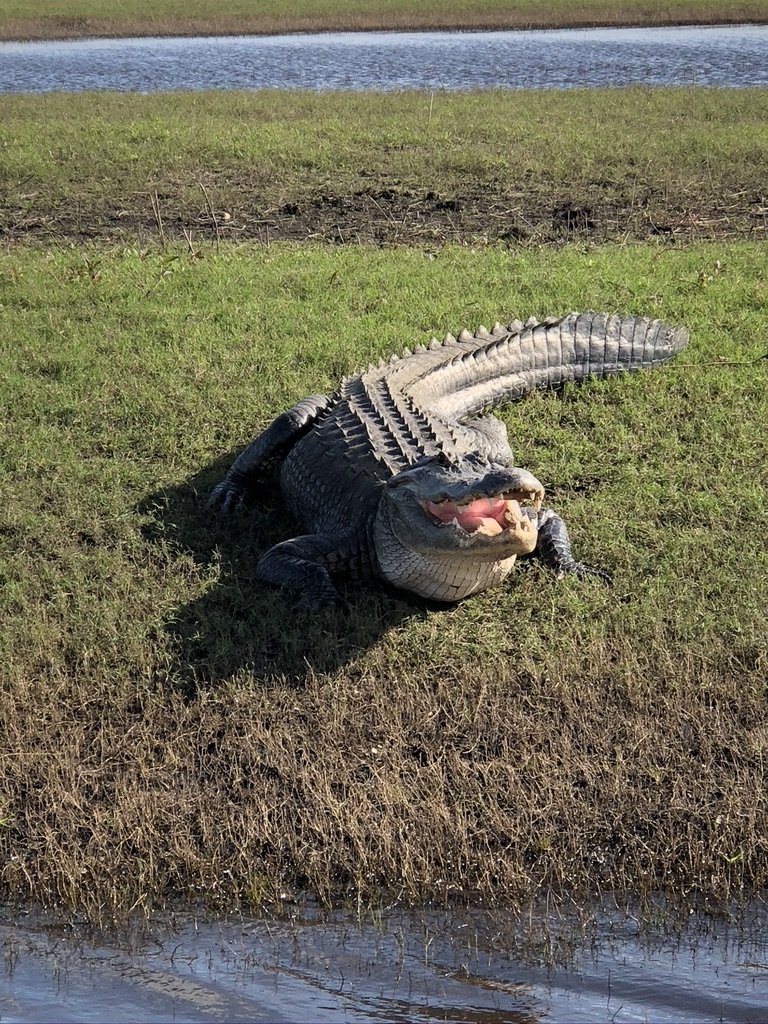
x: 491, y: 784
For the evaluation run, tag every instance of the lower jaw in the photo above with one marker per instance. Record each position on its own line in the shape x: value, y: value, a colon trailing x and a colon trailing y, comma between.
x: 505, y: 542
x: 446, y: 579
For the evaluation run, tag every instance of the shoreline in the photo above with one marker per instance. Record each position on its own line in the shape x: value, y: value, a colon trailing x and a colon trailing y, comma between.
x: 61, y: 29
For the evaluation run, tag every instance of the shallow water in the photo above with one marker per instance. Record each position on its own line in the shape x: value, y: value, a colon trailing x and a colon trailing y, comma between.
x: 429, y: 966
x: 561, y: 59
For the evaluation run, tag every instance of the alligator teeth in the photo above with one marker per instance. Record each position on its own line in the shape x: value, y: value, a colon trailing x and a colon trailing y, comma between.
x: 534, y: 497
x: 490, y: 528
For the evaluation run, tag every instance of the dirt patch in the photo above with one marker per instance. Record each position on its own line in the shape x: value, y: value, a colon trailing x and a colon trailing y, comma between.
x: 392, y: 213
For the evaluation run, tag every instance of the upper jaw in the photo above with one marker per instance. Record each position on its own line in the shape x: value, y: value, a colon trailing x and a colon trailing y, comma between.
x: 467, y: 481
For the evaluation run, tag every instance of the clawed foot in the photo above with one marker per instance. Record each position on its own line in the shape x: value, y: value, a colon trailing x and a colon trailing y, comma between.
x: 581, y: 570
x: 226, y: 497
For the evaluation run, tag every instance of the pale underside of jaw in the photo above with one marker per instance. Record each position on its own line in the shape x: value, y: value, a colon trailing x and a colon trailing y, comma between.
x: 486, y: 516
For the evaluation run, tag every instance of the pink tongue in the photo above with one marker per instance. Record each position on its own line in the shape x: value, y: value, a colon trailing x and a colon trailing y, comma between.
x: 473, y: 515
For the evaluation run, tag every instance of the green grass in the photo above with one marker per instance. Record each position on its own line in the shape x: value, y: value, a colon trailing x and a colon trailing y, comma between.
x: 66, y: 18
x: 535, y: 166
x: 172, y: 728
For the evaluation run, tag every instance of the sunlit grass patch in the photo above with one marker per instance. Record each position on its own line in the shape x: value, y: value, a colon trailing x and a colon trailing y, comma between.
x: 169, y: 724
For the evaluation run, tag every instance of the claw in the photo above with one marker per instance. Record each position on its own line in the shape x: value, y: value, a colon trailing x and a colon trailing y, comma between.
x: 225, y: 497
x: 581, y: 570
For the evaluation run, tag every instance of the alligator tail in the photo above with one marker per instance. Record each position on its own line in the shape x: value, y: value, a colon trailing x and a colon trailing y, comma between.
x: 488, y: 373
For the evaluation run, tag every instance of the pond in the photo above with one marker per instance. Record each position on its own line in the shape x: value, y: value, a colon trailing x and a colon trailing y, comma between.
x: 732, y: 56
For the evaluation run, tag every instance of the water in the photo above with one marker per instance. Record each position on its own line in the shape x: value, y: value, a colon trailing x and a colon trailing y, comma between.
x: 429, y: 966
x: 734, y: 56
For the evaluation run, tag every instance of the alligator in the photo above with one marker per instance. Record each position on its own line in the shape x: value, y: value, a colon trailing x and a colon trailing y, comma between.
x: 403, y: 475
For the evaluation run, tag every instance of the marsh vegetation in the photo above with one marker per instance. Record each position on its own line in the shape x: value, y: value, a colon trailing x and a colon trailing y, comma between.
x: 66, y: 19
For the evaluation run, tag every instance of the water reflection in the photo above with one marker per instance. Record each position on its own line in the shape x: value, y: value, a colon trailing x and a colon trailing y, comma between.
x: 717, y: 56
x: 486, y: 968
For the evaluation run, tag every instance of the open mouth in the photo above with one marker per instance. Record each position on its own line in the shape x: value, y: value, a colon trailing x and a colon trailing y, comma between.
x: 486, y: 516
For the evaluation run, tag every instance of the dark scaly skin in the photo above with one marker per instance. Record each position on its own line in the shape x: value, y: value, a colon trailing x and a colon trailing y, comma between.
x: 265, y: 454
x: 554, y: 549
x: 366, y: 472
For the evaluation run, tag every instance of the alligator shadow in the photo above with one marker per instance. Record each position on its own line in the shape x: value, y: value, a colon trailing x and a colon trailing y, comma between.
x: 237, y: 623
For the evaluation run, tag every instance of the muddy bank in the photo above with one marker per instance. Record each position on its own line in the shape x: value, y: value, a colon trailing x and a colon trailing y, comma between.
x: 390, y: 212
x: 410, y: 168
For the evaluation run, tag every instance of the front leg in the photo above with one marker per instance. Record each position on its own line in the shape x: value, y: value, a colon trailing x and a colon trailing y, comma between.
x: 306, y: 564
x: 553, y: 547
x: 264, y: 454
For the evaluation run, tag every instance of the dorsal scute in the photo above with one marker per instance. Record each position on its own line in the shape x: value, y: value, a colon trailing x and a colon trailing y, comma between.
x: 498, y: 334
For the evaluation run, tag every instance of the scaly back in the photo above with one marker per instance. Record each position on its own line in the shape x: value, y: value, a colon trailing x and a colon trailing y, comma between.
x: 416, y: 404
